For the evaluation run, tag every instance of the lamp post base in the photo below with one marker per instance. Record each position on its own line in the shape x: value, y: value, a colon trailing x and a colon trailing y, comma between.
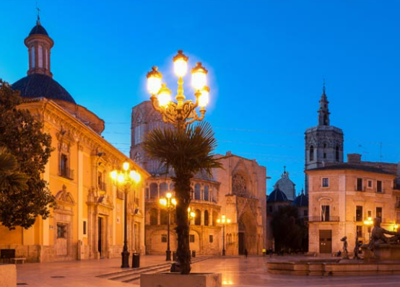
x: 223, y: 252
x: 168, y: 255
x: 125, y: 259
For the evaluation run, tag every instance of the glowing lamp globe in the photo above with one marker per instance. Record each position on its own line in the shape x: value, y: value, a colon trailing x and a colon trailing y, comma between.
x: 204, y: 97
x: 154, y: 78
x: 164, y: 96
x: 199, y: 77
x: 180, y: 64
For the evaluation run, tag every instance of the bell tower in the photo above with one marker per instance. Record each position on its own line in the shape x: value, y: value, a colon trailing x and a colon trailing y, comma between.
x: 39, y: 47
x: 323, y: 143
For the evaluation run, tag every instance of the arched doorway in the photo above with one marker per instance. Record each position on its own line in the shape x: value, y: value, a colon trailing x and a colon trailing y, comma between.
x: 248, y: 238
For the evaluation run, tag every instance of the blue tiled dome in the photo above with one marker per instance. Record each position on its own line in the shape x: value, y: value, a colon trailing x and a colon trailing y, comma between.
x: 277, y: 196
x: 38, y: 29
x: 39, y: 85
x: 301, y: 200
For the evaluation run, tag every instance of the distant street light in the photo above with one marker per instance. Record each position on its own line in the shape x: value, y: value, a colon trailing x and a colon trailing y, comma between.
x: 126, y: 177
x: 191, y: 215
x: 180, y: 113
x: 169, y: 203
x: 368, y: 222
x: 223, y: 220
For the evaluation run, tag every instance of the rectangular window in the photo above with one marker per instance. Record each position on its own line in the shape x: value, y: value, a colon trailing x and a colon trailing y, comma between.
x: 61, y: 230
x: 379, y: 212
x: 84, y: 227
x: 40, y: 64
x: 191, y: 238
x: 325, y: 213
x: 369, y: 213
x: 359, y: 231
x: 359, y: 213
x: 164, y: 238
x: 369, y: 183
x: 325, y: 182
x: 379, y: 186
x: 359, y: 186
x: 211, y: 238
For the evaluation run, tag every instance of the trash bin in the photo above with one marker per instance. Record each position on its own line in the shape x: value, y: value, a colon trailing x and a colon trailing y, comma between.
x: 193, y: 254
x: 135, y: 260
x: 174, y: 256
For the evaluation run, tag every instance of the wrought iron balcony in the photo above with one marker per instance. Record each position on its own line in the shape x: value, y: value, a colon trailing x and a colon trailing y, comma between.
x: 66, y: 173
x: 323, y: 219
x: 102, y: 185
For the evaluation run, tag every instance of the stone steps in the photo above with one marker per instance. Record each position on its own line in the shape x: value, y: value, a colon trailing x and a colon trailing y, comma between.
x: 127, y: 276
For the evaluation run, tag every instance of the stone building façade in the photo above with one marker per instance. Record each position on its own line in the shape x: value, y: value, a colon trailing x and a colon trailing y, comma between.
x: 342, y: 195
x: 88, y: 220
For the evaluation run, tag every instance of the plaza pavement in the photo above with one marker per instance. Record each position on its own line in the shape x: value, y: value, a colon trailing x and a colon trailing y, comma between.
x: 236, y: 272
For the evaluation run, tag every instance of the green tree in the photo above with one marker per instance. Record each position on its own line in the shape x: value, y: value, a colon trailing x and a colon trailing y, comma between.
x: 24, y: 138
x: 290, y: 231
x: 187, y: 151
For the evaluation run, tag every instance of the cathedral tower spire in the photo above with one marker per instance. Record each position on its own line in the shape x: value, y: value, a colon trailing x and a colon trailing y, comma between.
x: 323, y: 112
x: 39, y: 46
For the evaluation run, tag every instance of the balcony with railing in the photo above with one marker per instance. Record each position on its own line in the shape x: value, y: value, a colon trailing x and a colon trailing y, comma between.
x: 359, y: 188
x: 66, y: 173
x: 102, y: 185
x: 323, y: 218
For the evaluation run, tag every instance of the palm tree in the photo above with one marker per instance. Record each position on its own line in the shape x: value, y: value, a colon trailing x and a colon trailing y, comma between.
x: 10, y: 178
x: 186, y: 151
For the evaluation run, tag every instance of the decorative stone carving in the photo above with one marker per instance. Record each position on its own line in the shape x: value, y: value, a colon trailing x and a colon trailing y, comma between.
x: 65, y: 197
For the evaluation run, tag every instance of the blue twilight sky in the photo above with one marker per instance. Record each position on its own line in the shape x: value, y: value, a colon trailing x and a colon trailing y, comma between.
x: 266, y: 61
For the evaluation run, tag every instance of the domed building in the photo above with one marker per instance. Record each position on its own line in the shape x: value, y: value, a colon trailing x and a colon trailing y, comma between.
x: 286, y: 185
x: 88, y: 221
x: 301, y: 201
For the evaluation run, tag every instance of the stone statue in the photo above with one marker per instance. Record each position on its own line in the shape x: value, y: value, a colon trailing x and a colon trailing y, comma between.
x: 344, y: 240
x: 378, y: 235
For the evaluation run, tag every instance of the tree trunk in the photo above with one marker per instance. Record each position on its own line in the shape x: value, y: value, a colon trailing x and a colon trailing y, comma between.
x: 182, y: 192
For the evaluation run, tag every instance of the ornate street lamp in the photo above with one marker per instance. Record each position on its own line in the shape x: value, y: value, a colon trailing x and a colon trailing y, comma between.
x: 125, y: 177
x: 169, y: 203
x: 179, y: 113
x: 191, y: 215
x: 224, y: 221
x: 368, y: 222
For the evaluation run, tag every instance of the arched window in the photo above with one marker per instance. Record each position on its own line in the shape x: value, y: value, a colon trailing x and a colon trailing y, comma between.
x: 153, y: 191
x: 215, y: 217
x: 163, y: 189
x: 153, y: 216
x: 206, y: 218
x: 206, y: 194
x: 33, y: 55
x: 311, y: 153
x: 337, y: 153
x: 239, y: 187
x: 197, y: 195
x: 214, y: 194
x: 40, y: 58
x: 163, y: 217
x: 197, y: 220
x: 171, y: 186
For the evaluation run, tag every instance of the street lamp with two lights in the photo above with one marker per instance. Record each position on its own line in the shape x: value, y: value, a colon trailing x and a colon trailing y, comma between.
x: 126, y: 178
x: 169, y: 203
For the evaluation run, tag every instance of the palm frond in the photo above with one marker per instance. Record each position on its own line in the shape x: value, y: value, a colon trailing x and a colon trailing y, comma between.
x: 187, y: 151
